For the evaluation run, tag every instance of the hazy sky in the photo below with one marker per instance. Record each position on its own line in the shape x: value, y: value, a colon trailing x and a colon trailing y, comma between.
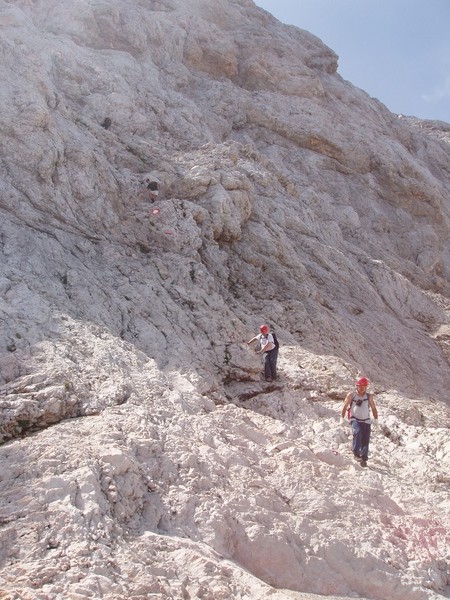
x: 396, y: 50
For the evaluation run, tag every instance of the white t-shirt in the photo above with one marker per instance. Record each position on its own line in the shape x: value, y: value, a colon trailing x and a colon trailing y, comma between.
x: 263, y: 339
x: 361, y: 412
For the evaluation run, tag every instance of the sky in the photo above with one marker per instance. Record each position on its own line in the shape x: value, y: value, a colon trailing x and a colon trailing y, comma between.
x: 396, y: 50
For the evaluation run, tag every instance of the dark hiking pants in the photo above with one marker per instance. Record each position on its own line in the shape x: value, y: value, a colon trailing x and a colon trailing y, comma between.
x: 270, y: 364
x: 361, y: 438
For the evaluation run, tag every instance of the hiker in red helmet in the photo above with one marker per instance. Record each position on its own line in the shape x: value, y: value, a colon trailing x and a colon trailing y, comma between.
x: 269, y: 350
x: 359, y: 404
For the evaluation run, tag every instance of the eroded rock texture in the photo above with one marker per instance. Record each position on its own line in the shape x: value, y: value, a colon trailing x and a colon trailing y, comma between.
x: 142, y: 455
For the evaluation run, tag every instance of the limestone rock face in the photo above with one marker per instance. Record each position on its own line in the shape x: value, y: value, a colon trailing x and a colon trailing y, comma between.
x: 142, y: 455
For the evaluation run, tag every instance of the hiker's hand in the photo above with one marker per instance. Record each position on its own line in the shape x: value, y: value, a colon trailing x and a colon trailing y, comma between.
x: 375, y: 423
x: 342, y: 421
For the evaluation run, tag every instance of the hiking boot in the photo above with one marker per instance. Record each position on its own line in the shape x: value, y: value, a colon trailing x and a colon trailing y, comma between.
x: 356, y: 456
x: 364, y: 463
x: 268, y: 379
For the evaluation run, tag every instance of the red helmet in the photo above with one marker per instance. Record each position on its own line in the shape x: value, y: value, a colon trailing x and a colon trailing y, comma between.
x: 264, y: 328
x: 362, y: 381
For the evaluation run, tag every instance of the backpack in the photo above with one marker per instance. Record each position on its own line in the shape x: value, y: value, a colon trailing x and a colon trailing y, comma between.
x: 275, y: 339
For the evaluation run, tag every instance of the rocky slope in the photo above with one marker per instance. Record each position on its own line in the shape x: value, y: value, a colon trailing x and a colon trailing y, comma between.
x: 142, y: 455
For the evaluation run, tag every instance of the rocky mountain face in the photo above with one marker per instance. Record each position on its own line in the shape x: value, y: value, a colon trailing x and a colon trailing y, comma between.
x: 142, y: 454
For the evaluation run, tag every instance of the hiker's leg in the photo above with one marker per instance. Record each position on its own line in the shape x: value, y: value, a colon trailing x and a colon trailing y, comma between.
x: 267, y: 369
x: 356, y: 441
x: 365, y: 437
x: 273, y: 362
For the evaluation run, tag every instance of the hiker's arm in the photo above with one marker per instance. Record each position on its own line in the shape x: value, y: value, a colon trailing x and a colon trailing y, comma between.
x: 269, y: 342
x: 263, y: 349
x: 373, y: 407
x: 346, y: 403
x: 252, y: 340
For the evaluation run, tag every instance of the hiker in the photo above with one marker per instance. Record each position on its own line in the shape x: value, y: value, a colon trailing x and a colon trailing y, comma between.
x: 269, y: 350
x: 106, y: 123
x: 151, y: 189
x: 358, y: 406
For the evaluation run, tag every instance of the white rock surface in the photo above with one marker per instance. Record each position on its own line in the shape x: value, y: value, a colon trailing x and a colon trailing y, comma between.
x: 142, y: 455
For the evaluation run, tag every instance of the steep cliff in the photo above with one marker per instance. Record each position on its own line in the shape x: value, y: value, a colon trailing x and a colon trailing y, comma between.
x: 143, y: 455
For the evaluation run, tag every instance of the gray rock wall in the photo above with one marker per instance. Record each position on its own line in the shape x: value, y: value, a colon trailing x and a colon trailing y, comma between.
x: 142, y: 454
